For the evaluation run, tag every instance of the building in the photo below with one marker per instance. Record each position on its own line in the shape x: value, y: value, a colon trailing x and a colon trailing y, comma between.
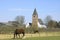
x: 35, y: 20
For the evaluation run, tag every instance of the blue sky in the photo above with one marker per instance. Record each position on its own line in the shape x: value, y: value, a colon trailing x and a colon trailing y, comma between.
x: 9, y: 9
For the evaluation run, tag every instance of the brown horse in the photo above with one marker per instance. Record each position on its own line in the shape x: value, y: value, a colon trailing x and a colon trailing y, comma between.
x: 18, y: 32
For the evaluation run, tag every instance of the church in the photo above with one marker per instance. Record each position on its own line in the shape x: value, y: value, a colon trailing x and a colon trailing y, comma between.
x: 35, y: 23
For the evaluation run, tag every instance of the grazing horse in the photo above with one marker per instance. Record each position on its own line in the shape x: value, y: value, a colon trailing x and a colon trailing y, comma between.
x: 36, y: 31
x: 18, y: 32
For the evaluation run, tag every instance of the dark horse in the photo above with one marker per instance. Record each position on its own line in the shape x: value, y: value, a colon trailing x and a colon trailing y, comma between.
x: 18, y: 32
x: 36, y: 31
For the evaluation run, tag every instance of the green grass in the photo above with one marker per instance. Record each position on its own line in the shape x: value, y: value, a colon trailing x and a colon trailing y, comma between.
x: 38, y: 38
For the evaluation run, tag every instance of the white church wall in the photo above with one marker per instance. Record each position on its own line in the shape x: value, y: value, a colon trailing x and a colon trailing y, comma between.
x: 39, y: 25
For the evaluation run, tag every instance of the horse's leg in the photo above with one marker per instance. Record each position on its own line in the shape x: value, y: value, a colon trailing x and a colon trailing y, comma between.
x: 19, y: 35
x: 23, y: 34
x: 16, y: 35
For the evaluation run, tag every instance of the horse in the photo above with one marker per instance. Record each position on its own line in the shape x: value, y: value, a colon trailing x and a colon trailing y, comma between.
x: 18, y: 32
x: 36, y: 31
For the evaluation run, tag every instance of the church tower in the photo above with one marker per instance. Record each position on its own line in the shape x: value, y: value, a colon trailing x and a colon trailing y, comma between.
x: 35, y: 20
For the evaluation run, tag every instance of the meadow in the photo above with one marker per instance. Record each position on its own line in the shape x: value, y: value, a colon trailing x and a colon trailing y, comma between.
x: 37, y: 36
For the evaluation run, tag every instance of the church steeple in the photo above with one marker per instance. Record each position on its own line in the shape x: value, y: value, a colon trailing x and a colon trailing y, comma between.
x: 35, y: 12
x: 35, y: 20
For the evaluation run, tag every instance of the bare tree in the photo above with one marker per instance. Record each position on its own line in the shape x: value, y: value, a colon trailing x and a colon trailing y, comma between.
x: 47, y: 19
x: 52, y: 24
x: 20, y: 20
x: 40, y: 21
x: 58, y: 25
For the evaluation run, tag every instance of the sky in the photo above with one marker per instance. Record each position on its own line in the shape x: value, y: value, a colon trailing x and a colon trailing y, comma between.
x: 9, y: 9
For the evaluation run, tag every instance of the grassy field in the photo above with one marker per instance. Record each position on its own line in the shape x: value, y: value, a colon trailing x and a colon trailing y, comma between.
x: 40, y: 36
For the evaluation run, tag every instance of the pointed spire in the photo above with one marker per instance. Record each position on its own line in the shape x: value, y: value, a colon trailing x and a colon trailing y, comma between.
x: 35, y: 12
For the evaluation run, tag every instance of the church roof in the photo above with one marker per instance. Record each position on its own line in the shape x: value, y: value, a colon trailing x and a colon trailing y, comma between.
x: 35, y: 12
